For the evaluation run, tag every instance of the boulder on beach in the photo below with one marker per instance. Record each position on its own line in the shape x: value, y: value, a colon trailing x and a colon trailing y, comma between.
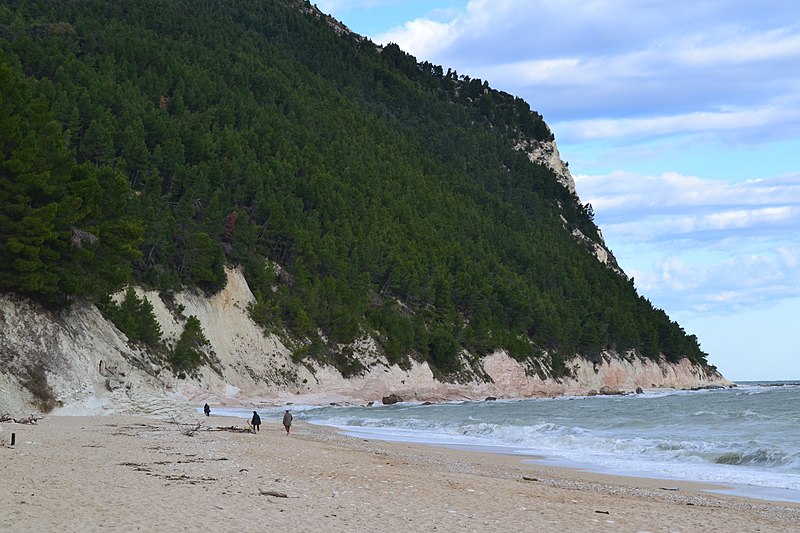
x: 391, y: 399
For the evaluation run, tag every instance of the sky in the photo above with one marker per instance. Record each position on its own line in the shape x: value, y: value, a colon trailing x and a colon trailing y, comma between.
x: 680, y: 122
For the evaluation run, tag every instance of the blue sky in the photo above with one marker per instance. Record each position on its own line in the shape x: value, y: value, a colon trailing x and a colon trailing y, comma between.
x: 681, y: 125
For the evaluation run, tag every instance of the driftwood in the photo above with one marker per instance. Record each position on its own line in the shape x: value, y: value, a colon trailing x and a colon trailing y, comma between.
x: 232, y: 429
x: 272, y: 493
x: 187, y: 429
x: 27, y: 420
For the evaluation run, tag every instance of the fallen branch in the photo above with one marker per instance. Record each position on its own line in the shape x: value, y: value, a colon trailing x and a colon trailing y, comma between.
x: 233, y: 429
x: 272, y: 493
x: 29, y: 420
x: 187, y: 429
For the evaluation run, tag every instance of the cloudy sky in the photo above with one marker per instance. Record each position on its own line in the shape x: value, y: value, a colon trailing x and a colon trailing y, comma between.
x: 681, y: 125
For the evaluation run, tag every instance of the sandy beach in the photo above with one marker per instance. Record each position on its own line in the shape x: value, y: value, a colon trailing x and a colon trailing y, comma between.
x: 118, y: 473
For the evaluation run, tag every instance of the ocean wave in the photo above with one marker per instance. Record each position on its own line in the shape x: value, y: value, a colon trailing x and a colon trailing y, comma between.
x: 747, y: 435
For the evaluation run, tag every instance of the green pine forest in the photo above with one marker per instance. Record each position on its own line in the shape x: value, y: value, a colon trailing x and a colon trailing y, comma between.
x: 154, y: 142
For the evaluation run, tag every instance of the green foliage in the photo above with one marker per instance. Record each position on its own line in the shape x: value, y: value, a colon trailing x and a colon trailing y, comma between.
x: 203, y: 263
x: 347, y: 364
x: 191, y: 349
x: 558, y: 367
x: 134, y: 317
x: 398, y: 336
x: 172, y: 138
x: 443, y: 351
x: 63, y: 232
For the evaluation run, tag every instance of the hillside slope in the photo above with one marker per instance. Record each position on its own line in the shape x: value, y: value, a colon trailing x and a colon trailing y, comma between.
x: 88, y: 367
x: 367, y: 198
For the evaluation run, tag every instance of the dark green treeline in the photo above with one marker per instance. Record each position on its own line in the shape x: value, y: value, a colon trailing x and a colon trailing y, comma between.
x: 157, y: 141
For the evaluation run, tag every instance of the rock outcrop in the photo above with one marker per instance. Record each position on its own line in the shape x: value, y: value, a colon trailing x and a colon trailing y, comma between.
x: 85, y: 365
x: 546, y: 153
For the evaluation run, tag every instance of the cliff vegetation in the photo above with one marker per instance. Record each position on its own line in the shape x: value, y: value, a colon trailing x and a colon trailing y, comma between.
x: 361, y: 191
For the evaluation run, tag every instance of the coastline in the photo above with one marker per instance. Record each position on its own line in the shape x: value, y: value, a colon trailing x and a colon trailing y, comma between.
x: 124, y: 473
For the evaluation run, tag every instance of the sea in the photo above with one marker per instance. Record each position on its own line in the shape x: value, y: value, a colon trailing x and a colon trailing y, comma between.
x: 745, y: 439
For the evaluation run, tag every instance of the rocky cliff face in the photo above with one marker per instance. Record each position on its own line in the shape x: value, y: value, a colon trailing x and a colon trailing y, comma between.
x: 77, y: 362
x: 546, y: 153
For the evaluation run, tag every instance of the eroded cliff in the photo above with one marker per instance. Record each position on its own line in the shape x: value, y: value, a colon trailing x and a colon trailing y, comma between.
x: 76, y: 362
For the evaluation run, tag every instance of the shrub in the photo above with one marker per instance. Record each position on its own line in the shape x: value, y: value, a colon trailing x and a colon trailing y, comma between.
x: 191, y: 350
x: 36, y: 382
x: 443, y: 351
x: 134, y: 317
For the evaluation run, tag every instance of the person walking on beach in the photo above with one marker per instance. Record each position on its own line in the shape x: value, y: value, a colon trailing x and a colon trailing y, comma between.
x: 287, y: 420
x: 206, y: 409
x: 256, y: 421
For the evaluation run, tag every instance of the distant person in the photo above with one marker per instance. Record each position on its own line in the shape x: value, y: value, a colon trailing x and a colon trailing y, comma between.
x: 287, y: 420
x: 206, y: 409
x: 256, y: 421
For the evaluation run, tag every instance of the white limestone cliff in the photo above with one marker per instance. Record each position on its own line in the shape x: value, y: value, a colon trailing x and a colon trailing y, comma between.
x: 546, y: 153
x: 92, y: 370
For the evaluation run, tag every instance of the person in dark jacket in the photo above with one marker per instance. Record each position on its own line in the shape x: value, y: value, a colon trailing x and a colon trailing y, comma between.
x: 206, y: 409
x: 287, y: 420
x: 256, y: 421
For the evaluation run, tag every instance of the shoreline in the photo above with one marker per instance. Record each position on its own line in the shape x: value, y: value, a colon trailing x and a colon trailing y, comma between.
x: 749, y: 492
x: 720, y: 486
x: 123, y: 472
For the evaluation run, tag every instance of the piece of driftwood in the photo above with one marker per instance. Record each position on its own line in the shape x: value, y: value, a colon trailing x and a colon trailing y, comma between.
x: 28, y: 420
x: 187, y: 429
x: 272, y: 493
x: 232, y: 429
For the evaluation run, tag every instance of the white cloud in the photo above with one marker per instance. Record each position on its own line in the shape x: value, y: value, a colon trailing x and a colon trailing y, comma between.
x: 425, y: 34
x: 626, y: 69
x: 688, y: 123
x: 774, y: 44
x: 630, y: 193
x: 703, y: 245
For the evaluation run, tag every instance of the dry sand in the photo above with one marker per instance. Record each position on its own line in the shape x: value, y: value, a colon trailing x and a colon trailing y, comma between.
x: 136, y: 474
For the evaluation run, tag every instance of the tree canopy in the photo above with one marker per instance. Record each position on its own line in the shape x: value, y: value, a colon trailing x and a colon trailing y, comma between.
x: 360, y: 190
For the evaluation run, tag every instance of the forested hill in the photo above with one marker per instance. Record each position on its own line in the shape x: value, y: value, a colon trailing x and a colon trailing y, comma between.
x: 155, y: 141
